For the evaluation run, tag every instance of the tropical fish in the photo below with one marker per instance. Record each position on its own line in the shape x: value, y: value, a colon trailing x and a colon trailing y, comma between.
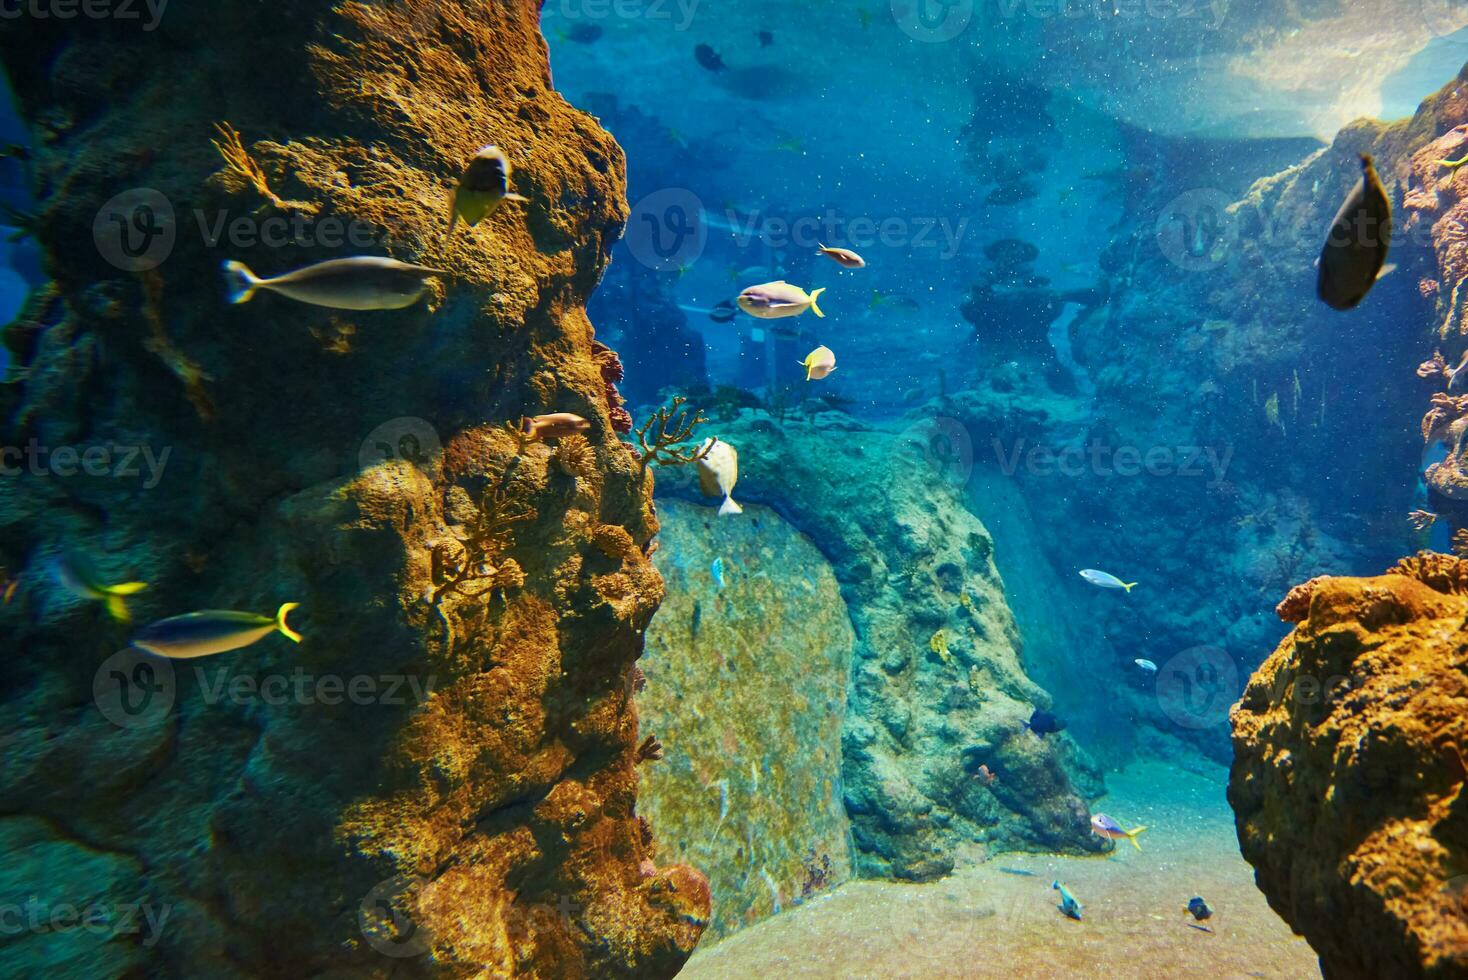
x: 365, y: 282
x: 77, y: 576
x: 774, y: 300
x: 1106, y: 580
x: 1199, y: 909
x: 1356, y: 248
x: 819, y: 363
x: 985, y: 776
x: 844, y: 257
x: 1104, y: 826
x: 557, y: 426
x: 717, y: 570
x: 212, y: 631
x: 1146, y: 665
x: 723, y: 312
x: 718, y: 472
x: 894, y: 301
x: 482, y: 188
x: 709, y: 59
x: 1068, y: 905
x: 1043, y: 723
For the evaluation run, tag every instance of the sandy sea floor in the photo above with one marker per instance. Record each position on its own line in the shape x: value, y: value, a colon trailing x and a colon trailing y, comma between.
x: 984, y: 921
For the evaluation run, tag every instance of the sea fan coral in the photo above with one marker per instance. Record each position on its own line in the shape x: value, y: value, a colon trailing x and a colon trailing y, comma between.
x: 1444, y: 573
x: 668, y: 427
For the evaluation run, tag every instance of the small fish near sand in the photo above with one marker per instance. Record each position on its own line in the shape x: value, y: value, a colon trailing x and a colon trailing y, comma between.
x: 1200, y: 911
x: 709, y: 59
x: 203, y: 634
x: 1355, y: 251
x: 985, y: 776
x: 365, y: 282
x: 1044, y: 723
x: 78, y: 577
x: 716, y: 570
x: 483, y: 187
x: 844, y: 257
x: 1069, y: 906
x: 819, y: 364
x: 774, y: 300
x: 1106, y: 580
x: 718, y: 472
x: 1104, y: 826
x: 557, y: 426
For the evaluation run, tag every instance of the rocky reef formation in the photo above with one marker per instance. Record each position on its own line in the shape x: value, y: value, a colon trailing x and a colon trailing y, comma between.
x: 441, y: 779
x: 937, y: 688
x: 1350, y: 779
x: 747, y: 666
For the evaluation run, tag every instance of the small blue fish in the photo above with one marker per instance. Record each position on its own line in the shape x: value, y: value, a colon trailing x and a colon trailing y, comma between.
x: 1146, y: 665
x: 1199, y: 909
x: 1068, y: 905
x: 717, y: 568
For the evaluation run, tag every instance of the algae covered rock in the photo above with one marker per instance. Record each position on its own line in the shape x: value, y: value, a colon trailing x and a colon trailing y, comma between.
x: 441, y: 779
x: 1350, y: 780
x: 937, y: 688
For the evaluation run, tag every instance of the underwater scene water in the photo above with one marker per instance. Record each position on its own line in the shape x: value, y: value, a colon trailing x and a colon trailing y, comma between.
x: 650, y: 488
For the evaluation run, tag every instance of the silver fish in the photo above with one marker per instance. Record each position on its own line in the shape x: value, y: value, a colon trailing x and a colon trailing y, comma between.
x: 213, y: 631
x: 364, y: 282
x: 774, y: 300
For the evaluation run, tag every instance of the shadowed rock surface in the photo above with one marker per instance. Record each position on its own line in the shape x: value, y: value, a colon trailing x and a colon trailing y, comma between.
x: 1350, y: 786
x: 353, y: 462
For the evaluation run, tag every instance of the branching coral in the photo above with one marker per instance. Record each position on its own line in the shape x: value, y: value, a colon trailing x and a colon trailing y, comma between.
x: 668, y: 428
x: 651, y: 750
x: 1444, y: 412
x: 475, y: 562
x: 242, y: 173
x: 158, y: 343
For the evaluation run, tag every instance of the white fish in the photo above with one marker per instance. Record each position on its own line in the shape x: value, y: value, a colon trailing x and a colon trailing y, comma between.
x: 718, y: 471
x: 1146, y: 665
x: 366, y: 282
x: 774, y: 300
x: 844, y: 257
x: 1106, y: 580
x: 819, y: 363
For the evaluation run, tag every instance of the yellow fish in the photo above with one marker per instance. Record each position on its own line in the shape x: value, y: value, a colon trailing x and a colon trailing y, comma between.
x: 484, y: 186
x: 78, y: 578
x: 819, y: 363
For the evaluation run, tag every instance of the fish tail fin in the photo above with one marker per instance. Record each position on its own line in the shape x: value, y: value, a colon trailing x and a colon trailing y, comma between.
x: 1131, y: 835
x: 280, y: 623
x: 1129, y: 585
x: 114, y: 596
x: 730, y: 507
x: 240, y: 282
x: 813, y: 307
x: 808, y: 369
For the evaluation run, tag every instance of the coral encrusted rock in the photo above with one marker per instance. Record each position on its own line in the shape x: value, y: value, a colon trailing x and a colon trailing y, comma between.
x: 441, y: 779
x: 1350, y: 779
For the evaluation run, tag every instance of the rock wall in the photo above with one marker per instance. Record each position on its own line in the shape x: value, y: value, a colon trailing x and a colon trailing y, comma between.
x: 1350, y: 779
x: 747, y: 668
x: 937, y: 688
x: 472, y: 809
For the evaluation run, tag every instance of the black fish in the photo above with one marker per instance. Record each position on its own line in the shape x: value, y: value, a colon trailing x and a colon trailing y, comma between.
x: 709, y: 58
x: 1356, y: 249
x: 1044, y: 723
x: 765, y: 39
x: 724, y: 312
x: 583, y: 33
x: 1199, y: 909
